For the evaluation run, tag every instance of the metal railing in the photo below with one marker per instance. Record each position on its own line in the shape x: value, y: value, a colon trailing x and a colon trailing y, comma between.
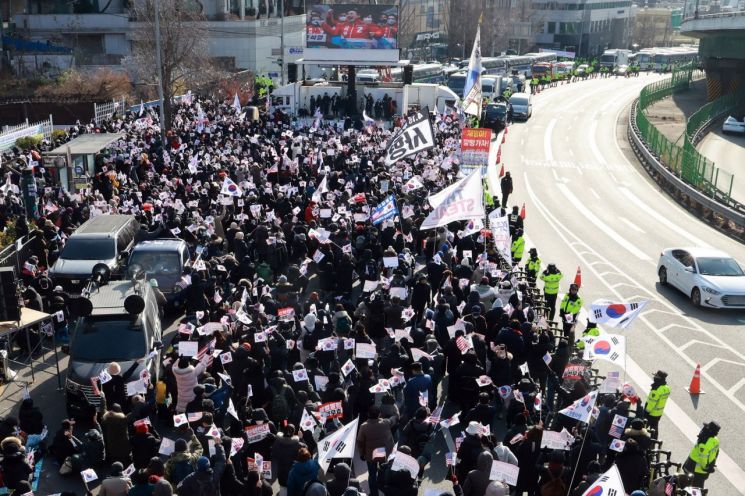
x: 685, y: 161
x: 103, y: 111
x: 11, y: 133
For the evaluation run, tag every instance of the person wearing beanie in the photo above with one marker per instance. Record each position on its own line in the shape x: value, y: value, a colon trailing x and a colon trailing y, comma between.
x: 477, y: 479
x: 145, y: 445
x: 187, y: 376
x: 182, y: 462
x: 284, y: 449
x: 116, y: 484
x: 205, y: 481
x: 342, y: 481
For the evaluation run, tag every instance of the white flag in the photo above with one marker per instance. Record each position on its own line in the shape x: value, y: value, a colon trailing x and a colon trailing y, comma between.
x: 616, y: 314
x: 369, y: 121
x: 502, y: 239
x: 416, y: 136
x: 237, y: 103
x: 582, y: 408
x: 231, y: 409
x: 230, y: 188
x: 339, y: 444
x: 472, y: 227
x: 321, y: 189
x: 465, y: 202
x: 142, y: 108
x: 609, y: 483
x: 608, y: 347
x: 472, y: 89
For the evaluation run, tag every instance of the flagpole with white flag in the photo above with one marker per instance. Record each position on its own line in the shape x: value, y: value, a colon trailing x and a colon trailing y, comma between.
x: 472, y: 96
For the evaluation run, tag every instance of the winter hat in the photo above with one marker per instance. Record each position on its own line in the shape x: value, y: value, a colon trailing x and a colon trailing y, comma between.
x: 473, y: 428
x: 114, y: 368
x: 310, y: 321
x: 180, y: 445
x: 203, y: 464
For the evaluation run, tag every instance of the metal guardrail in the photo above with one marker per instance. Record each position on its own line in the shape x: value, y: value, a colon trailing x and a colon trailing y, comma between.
x: 675, y: 182
x: 701, y: 16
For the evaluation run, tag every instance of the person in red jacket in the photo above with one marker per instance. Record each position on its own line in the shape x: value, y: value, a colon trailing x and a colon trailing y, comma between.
x: 311, y: 212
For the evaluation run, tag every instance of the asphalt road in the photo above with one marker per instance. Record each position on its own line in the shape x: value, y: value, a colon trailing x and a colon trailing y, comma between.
x: 589, y: 204
x: 727, y: 151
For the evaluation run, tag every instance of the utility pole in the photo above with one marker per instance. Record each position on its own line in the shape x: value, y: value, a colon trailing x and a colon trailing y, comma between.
x: 282, y: 43
x: 159, y: 63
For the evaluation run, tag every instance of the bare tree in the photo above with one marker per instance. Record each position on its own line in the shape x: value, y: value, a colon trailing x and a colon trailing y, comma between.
x: 184, y: 56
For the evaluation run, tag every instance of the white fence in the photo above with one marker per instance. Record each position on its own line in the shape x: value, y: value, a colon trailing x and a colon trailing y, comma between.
x: 103, y: 111
x: 11, y: 133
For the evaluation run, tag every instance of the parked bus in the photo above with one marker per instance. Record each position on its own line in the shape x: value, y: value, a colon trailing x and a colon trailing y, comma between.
x: 422, y: 73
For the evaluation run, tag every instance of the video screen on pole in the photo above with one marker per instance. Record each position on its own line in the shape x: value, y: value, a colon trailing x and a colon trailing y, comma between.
x: 349, y: 26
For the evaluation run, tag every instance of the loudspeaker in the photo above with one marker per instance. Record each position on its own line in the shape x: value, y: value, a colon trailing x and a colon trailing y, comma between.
x: 408, y: 74
x: 351, y: 79
x: 291, y: 73
x: 9, y: 309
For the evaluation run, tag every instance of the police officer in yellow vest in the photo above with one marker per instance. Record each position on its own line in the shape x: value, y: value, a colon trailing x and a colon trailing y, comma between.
x: 518, y: 247
x: 703, y: 455
x: 532, y: 267
x: 551, y: 277
x: 570, y: 306
x: 590, y: 330
x: 658, y: 395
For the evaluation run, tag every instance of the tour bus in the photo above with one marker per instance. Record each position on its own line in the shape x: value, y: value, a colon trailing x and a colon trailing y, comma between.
x: 422, y: 73
x: 667, y: 58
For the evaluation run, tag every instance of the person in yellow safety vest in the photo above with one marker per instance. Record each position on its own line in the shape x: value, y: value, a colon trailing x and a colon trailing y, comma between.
x: 570, y: 306
x: 658, y: 394
x: 703, y: 455
x: 551, y: 277
x: 533, y: 267
x: 518, y: 247
x: 590, y: 330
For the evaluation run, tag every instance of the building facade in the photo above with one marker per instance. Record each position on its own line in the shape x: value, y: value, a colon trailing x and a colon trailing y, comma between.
x: 241, y: 34
x: 587, y: 27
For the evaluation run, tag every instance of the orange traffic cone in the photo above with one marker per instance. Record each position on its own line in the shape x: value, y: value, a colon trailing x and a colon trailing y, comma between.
x: 695, y: 387
x: 522, y: 212
x: 501, y: 171
x: 578, y: 278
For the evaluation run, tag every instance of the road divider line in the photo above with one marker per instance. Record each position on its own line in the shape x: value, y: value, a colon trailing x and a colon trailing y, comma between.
x: 547, y: 151
x: 726, y: 465
x: 601, y: 225
x: 631, y: 225
x: 592, y: 138
x: 662, y: 219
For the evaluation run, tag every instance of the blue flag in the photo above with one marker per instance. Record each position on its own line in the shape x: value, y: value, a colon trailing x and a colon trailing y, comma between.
x: 386, y: 210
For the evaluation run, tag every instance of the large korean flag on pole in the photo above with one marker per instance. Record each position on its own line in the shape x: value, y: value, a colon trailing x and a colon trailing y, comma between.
x: 616, y: 314
x: 416, y: 136
x: 472, y: 95
x: 464, y: 202
x: 608, y: 484
x: 608, y: 347
x: 339, y: 444
x: 582, y: 408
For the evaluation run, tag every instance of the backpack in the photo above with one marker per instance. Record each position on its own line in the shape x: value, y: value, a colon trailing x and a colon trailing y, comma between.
x: 343, y: 326
x: 307, y: 486
x: 180, y: 470
x: 280, y: 408
x: 310, y: 340
x: 554, y: 487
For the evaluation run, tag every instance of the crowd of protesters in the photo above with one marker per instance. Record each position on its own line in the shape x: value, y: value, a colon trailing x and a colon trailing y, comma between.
x: 422, y: 337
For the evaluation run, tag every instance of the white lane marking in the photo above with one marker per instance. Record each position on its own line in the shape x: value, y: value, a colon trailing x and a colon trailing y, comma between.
x: 613, y: 177
x: 594, y: 193
x: 737, y: 386
x: 594, y: 142
x: 547, y: 151
x: 731, y: 471
x: 556, y: 175
x: 662, y: 219
x: 602, y: 226
x: 725, y: 464
x: 696, y: 341
x: 631, y: 225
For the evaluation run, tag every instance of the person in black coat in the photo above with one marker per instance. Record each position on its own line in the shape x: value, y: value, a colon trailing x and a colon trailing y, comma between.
x: 30, y: 418
x: 482, y: 413
x: 145, y: 445
x: 14, y: 466
x: 469, y: 451
x: 420, y: 296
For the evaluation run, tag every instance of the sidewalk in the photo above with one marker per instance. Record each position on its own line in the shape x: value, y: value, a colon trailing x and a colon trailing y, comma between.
x: 727, y: 152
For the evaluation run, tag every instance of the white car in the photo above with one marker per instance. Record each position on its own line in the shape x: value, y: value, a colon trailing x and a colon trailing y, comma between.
x: 710, y: 278
x: 732, y: 125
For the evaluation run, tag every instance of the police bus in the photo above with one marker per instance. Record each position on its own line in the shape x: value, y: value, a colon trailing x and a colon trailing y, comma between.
x: 422, y: 73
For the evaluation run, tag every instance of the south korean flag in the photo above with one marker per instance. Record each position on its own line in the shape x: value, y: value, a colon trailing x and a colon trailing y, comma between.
x: 608, y: 347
